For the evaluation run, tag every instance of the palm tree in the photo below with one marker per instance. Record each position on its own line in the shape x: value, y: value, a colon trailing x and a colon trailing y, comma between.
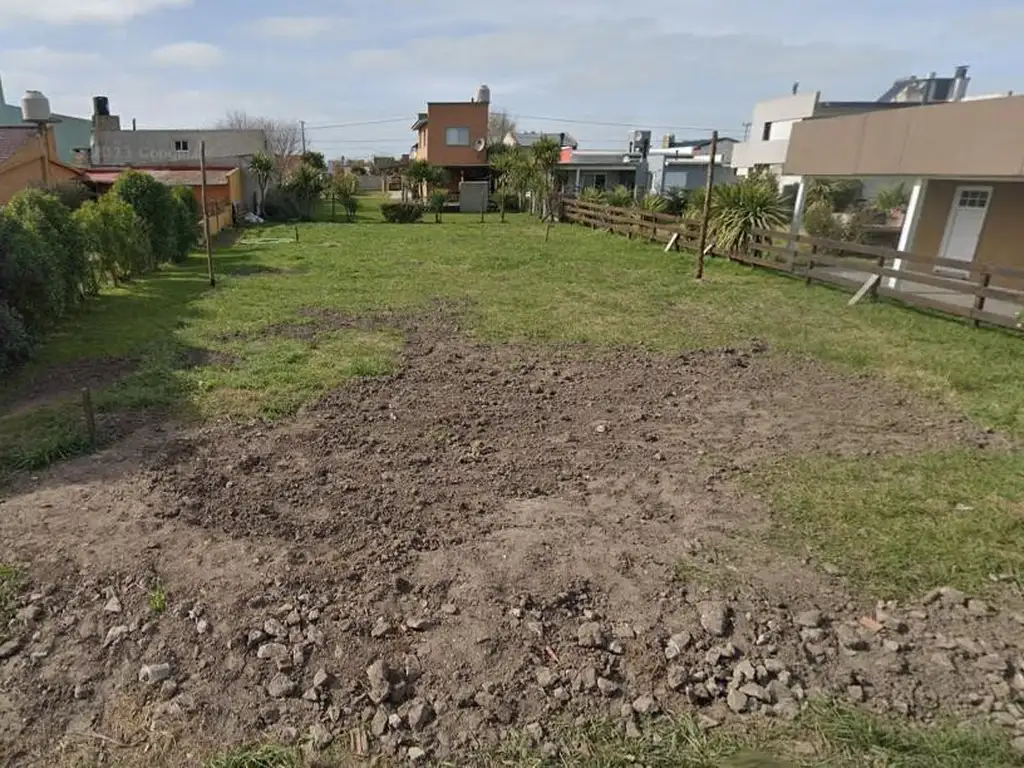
x: 545, y: 154
x: 892, y: 199
x: 515, y: 174
x: 262, y: 167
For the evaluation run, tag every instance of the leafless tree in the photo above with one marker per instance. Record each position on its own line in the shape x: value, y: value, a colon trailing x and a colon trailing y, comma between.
x: 499, y: 123
x: 284, y: 138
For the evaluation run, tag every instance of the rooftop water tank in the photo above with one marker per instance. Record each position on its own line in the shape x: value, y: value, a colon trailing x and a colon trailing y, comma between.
x: 35, y: 108
x: 483, y: 94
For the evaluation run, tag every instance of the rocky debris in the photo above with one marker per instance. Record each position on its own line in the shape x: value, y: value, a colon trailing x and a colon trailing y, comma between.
x: 977, y: 607
x: 714, y: 617
x: 737, y: 701
x: 607, y: 687
x: 113, y: 605
x: 645, y: 705
x: 809, y: 619
x: 319, y: 737
x: 677, y: 644
x: 379, y: 676
x: 29, y: 614
x: 418, y: 623
x: 379, y: 722
x: 273, y: 651
x: 420, y: 714
x: 10, y: 647
x: 281, y: 686
x: 115, y: 635
x: 154, y: 673
x: 275, y: 628
x: 416, y: 754
x: 676, y: 677
x: 380, y: 628
x: 591, y: 635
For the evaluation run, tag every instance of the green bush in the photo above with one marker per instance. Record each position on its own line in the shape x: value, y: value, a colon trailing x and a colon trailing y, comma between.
x: 675, y: 201
x: 186, y: 210
x: 114, y: 238
x: 41, y: 212
x: 819, y: 221
x: 351, y: 206
x: 31, y: 280
x: 154, y: 204
x: 435, y: 203
x: 654, y: 203
x: 281, y: 204
x: 401, y: 213
x: 592, y: 195
x: 619, y: 197
x: 15, y: 344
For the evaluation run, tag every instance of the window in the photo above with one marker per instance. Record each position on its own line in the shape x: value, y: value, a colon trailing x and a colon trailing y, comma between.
x: 766, y: 132
x: 973, y: 198
x: 456, y: 137
x: 599, y: 181
x: 180, y: 146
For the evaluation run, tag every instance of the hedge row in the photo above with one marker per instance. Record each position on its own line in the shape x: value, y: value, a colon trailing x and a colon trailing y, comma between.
x: 52, y: 257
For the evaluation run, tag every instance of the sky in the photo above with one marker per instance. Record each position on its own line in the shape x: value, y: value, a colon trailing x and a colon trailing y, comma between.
x: 593, y: 68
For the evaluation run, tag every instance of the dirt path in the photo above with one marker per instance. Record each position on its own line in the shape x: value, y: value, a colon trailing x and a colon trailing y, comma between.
x: 495, y: 537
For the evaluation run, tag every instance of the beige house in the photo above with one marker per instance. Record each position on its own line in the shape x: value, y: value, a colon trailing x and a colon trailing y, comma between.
x: 964, y: 162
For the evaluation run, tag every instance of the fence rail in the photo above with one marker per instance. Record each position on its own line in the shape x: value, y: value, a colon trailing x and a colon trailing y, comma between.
x: 633, y: 222
x: 981, y: 293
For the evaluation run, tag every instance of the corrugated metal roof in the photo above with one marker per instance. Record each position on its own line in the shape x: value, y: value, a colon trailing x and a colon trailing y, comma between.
x: 12, y: 138
x: 175, y: 177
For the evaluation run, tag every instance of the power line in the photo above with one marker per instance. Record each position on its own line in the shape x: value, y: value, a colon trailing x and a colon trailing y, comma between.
x: 622, y: 125
x: 381, y: 121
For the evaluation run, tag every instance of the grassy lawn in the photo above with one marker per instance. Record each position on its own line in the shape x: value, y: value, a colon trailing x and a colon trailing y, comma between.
x: 896, y: 526
x: 826, y: 736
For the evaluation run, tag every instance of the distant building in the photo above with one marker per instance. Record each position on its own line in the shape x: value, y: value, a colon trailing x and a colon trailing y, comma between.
x: 529, y: 138
x: 69, y: 133
x: 453, y: 135
x: 23, y: 161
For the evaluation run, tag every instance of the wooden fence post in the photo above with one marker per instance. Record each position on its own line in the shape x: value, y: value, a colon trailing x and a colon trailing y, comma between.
x: 206, y: 213
x: 90, y: 416
x: 810, y: 265
x: 873, y: 290
x: 979, y: 299
x: 706, y: 218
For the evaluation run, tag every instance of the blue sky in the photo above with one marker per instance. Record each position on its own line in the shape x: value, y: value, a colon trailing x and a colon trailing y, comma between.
x: 664, y: 64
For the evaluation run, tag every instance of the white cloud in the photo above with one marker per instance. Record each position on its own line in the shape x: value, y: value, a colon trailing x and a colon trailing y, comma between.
x: 74, y: 11
x: 192, y: 55
x: 292, y: 27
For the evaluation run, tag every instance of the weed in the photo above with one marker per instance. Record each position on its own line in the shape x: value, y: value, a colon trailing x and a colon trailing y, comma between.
x: 158, y: 599
x: 266, y: 756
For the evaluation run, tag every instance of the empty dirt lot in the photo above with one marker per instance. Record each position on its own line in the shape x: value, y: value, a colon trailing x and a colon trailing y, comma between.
x: 490, y: 544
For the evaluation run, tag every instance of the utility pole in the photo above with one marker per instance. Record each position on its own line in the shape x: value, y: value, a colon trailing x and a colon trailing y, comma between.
x: 706, y: 218
x: 302, y: 126
x: 206, y: 213
x: 746, y: 131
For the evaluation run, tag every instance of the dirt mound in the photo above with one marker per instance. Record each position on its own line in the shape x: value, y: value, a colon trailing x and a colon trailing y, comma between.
x: 495, y: 537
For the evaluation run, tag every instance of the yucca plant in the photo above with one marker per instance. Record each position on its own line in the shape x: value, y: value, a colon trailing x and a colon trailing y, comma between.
x: 619, y: 197
x: 655, y: 203
x: 892, y: 199
x: 675, y: 201
x: 592, y: 195
x: 737, y: 209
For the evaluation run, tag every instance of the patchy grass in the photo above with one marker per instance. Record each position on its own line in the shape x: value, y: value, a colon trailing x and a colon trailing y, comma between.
x: 825, y: 736
x: 157, y: 599
x: 899, y: 526
x: 10, y: 585
x: 258, y: 757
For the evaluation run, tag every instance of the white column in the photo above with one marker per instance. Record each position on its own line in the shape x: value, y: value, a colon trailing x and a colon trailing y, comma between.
x: 578, y: 180
x: 910, y: 221
x: 798, y: 212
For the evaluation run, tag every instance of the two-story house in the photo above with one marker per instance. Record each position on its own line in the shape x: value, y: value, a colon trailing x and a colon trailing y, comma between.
x: 453, y: 136
x: 768, y: 141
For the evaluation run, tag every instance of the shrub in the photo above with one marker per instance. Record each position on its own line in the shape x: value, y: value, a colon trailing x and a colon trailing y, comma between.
x: 114, y: 238
x: 186, y: 211
x: 401, y: 213
x: 654, y: 203
x: 281, y: 204
x: 820, y: 221
x: 435, y: 203
x: 15, y: 344
x: 675, y: 201
x: 737, y: 209
x: 31, y: 281
x: 592, y: 195
x: 153, y: 203
x: 41, y: 212
x: 505, y: 200
x: 619, y: 197
x: 351, y: 206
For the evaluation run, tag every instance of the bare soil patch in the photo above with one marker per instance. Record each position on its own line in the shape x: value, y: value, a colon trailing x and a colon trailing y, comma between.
x: 68, y: 379
x: 494, y: 537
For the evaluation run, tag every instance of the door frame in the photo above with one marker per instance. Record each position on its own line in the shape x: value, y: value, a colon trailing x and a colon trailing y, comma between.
x: 963, y: 274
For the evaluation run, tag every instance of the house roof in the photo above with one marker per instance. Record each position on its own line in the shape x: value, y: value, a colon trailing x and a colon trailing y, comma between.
x: 529, y: 138
x: 13, y: 138
x: 175, y: 177
x: 421, y: 120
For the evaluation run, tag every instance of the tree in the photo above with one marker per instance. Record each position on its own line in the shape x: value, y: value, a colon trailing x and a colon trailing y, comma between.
x: 262, y: 167
x: 284, y: 138
x: 343, y: 188
x: 514, y: 169
x: 893, y: 199
x: 420, y: 173
x: 152, y: 201
x: 44, y: 214
x: 114, y: 239
x: 841, y: 194
x: 499, y: 124
x: 315, y: 160
x: 306, y: 184
x: 188, y: 214
x: 435, y: 204
x: 545, y: 154
x: 30, y: 275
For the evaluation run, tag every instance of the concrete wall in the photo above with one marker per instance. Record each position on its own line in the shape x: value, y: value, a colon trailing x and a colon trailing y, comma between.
x: 158, y: 147
x: 24, y: 169
x: 782, y: 113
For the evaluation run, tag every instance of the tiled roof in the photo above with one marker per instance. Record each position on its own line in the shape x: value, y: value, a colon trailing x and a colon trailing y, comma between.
x: 12, y: 138
x: 175, y: 177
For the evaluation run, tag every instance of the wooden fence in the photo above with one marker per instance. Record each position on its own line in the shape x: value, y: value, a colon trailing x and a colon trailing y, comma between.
x: 981, y: 293
x: 633, y: 222
x: 220, y: 215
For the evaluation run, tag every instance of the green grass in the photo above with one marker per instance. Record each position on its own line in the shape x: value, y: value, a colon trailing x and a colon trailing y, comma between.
x: 888, y: 523
x: 157, y: 599
x: 825, y: 736
x: 900, y: 526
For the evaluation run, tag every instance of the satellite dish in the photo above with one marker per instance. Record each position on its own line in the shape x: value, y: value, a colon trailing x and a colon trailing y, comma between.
x: 480, y: 145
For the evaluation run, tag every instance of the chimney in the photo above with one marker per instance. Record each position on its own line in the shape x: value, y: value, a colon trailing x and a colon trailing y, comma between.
x: 102, y: 120
x: 796, y: 87
x: 960, y: 82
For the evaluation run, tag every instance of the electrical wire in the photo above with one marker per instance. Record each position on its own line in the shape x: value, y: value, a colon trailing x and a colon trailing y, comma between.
x: 355, y: 124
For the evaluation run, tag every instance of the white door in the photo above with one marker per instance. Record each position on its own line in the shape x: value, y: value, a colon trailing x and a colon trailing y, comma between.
x: 963, y: 228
